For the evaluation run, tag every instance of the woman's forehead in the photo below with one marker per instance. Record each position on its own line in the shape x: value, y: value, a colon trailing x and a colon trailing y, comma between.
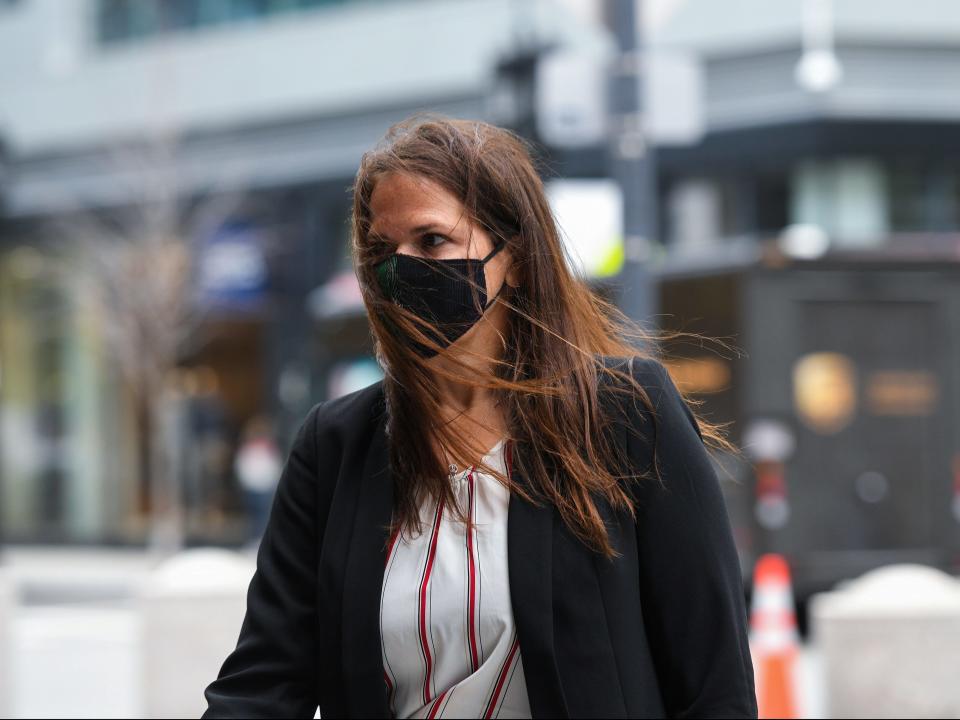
x: 400, y: 203
x: 400, y: 191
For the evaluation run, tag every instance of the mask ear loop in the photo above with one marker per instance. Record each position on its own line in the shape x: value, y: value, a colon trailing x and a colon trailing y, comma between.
x: 494, y: 298
x: 497, y: 248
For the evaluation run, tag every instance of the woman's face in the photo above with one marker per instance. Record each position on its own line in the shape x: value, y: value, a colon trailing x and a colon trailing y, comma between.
x: 415, y: 216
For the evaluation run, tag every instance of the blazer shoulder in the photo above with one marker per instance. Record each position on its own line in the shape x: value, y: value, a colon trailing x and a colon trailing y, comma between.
x: 645, y: 369
x: 649, y: 372
x: 665, y: 398
x: 351, y: 412
x: 664, y: 394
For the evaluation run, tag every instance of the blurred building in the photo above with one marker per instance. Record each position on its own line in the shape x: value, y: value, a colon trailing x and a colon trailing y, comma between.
x: 808, y: 112
x: 809, y: 190
x: 801, y: 134
x: 246, y: 119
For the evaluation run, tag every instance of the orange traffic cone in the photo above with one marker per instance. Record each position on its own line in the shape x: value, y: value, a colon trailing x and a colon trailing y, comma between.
x: 774, y: 642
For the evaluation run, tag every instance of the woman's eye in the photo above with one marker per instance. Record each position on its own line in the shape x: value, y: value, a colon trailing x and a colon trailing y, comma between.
x: 426, y: 240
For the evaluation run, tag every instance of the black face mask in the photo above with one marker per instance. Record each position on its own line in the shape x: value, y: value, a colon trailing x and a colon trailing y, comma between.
x: 438, y: 291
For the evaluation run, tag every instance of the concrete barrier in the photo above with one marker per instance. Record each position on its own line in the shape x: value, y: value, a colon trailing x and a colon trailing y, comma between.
x: 8, y: 606
x: 191, y: 609
x: 890, y: 642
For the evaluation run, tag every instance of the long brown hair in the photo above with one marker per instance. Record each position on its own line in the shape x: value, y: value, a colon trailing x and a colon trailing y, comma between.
x: 547, y: 378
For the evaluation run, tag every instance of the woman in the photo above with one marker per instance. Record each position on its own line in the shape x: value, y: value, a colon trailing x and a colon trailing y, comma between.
x: 521, y: 519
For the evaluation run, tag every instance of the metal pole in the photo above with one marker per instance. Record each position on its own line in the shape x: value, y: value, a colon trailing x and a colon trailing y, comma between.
x: 632, y: 162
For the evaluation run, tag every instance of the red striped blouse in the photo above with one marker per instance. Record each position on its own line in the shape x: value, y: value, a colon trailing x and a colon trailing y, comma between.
x: 450, y: 645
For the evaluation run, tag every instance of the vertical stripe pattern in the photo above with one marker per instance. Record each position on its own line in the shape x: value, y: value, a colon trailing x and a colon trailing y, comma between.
x: 450, y: 646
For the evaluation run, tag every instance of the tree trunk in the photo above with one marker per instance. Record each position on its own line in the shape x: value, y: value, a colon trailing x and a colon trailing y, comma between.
x: 166, y: 526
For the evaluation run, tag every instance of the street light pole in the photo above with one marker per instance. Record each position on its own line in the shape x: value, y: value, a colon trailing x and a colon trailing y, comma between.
x: 632, y: 162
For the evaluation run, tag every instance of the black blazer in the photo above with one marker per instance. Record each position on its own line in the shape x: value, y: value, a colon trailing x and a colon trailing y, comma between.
x: 659, y: 632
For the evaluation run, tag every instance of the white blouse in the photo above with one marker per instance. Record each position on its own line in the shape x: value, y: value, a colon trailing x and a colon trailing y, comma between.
x: 449, y: 641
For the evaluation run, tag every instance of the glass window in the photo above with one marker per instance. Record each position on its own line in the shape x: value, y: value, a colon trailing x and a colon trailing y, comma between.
x: 909, y: 190
x: 212, y: 12
x: 953, y: 188
x: 112, y: 20
x: 272, y: 7
x: 924, y: 194
x: 143, y: 18
x: 120, y: 20
x: 178, y: 14
x: 848, y: 197
x: 244, y: 9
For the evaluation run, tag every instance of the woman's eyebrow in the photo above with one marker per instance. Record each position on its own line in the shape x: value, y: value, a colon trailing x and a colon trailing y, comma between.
x: 374, y: 235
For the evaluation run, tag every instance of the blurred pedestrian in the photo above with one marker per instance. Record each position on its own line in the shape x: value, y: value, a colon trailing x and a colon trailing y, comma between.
x: 521, y: 518
x: 258, y: 465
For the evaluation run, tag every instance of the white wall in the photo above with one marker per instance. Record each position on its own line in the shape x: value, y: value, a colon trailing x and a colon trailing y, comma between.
x: 899, y: 60
x: 59, y: 89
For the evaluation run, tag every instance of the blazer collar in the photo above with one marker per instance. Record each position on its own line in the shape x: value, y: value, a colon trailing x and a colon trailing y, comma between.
x: 529, y: 549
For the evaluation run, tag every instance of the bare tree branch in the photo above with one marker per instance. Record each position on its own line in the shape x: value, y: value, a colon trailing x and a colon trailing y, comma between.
x: 134, y: 271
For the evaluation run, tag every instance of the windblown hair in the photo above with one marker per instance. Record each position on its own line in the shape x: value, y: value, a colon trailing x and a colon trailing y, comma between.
x: 548, y: 376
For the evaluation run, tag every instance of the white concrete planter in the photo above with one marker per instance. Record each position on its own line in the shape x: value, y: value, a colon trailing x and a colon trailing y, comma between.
x: 191, y: 609
x: 8, y: 604
x: 891, y: 643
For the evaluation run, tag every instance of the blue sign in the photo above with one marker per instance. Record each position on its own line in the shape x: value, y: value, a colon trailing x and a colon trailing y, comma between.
x: 233, y: 269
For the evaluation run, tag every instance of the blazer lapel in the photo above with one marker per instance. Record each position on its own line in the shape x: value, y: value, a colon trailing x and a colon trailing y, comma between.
x: 529, y: 549
x: 362, y: 651
x: 530, y: 556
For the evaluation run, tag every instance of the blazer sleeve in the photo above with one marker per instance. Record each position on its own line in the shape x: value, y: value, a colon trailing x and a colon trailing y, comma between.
x: 272, y: 670
x: 692, y: 596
